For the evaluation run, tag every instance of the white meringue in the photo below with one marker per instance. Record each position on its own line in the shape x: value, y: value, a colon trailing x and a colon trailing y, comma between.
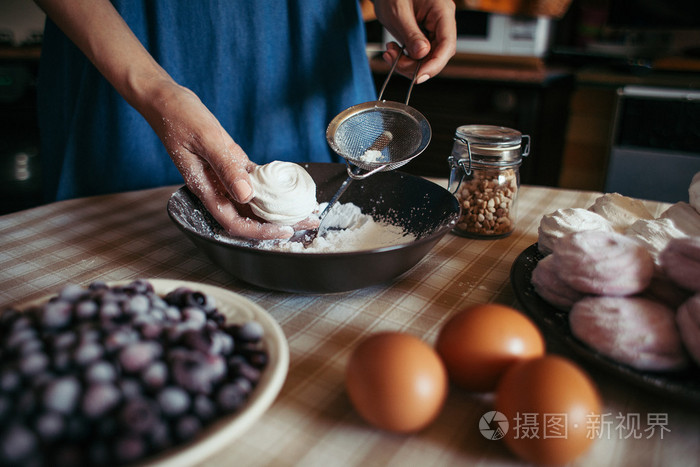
x: 654, y: 234
x: 285, y: 193
x: 562, y: 222
x: 621, y: 211
x: 684, y: 217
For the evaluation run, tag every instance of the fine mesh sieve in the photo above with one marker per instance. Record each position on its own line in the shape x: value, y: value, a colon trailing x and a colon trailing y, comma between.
x: 379, y: 135
x: 374, y: 136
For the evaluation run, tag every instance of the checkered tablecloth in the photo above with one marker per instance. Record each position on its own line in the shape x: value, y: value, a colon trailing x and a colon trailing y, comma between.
x: 129, y: 235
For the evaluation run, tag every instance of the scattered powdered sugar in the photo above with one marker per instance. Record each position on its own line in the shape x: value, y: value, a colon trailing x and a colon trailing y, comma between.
x: 344, y: 229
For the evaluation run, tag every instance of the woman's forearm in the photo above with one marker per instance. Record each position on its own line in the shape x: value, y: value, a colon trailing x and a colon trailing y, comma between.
x: 103, y: 36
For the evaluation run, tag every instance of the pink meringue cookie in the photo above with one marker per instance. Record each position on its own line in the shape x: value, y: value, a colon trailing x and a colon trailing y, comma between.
x: 664, y: 290
x: 694, y: 192
x: 688, y: 319
x: 635, y: 331
x: 603, y: 263
x: 680, y: 261
x: 550, y: 287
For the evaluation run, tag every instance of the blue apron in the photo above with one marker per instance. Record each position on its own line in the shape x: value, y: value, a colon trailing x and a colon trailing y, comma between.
x: 274, y: 73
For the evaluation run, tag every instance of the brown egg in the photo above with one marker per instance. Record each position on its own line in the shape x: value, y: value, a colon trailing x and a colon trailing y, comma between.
x: 396, y: 382
x: 553, y: 398
x: 479, y: 343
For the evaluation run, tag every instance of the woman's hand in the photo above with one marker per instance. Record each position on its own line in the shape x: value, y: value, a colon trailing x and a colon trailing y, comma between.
x: 213, y: 166
x: 427, y: 29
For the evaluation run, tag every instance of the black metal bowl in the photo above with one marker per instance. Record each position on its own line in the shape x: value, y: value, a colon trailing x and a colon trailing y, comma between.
x: 420, y: 206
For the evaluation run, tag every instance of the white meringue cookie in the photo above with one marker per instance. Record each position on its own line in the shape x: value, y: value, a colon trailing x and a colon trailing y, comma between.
x: 562, y: 222
x: 285, y: 193
x: 621, y: 211
x: 654, y: 234
x: 694, y: 192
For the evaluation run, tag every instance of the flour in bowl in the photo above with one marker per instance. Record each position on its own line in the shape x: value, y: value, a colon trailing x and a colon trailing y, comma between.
x: 345, y: 229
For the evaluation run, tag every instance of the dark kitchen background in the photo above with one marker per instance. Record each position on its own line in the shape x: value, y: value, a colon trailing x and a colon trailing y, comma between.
x: 21, y: 25
x: 608, y: 90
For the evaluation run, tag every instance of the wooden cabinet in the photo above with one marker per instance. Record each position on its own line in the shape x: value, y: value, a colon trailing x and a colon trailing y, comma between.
x: 589, y: 135
x: 587, y: 142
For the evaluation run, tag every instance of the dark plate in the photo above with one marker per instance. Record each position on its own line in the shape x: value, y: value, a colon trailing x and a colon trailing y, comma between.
x: 554, y: 324
x: 420, y: 206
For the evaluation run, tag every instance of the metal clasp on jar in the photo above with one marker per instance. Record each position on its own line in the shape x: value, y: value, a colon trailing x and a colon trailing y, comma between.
x: 463, y: 166
x: 457, y: 166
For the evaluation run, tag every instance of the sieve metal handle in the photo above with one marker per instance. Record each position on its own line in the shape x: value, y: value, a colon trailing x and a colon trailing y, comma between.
x: 357, y: 175
x: 413, y: 80
x: 391, y: 72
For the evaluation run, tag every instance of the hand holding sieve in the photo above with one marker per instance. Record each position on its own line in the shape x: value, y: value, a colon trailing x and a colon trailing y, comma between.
x: 353, y: 133
x: 374, y: 136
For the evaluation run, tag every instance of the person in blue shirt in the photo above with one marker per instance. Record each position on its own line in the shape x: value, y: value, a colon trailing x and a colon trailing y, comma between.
x: 135, y: 94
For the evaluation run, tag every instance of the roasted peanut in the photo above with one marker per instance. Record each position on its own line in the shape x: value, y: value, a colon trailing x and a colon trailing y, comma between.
x: 487, y: 199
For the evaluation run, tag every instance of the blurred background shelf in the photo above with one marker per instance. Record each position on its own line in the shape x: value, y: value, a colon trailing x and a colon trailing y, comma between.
x: 534, y: 101
x: 567, y: 92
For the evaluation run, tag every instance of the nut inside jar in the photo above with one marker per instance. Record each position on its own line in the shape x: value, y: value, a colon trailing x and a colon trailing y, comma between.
x: 488, y: 198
